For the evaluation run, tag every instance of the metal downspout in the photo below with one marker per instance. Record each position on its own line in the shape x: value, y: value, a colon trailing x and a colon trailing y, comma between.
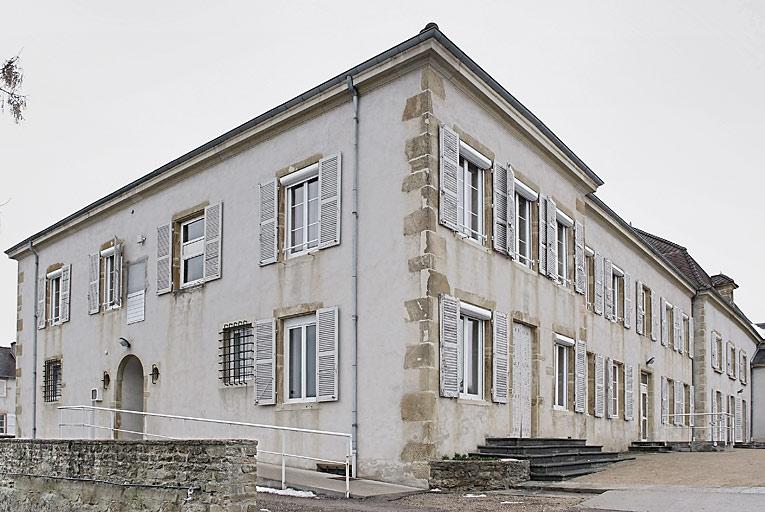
x: 355, y: 274
x: 34, y: 342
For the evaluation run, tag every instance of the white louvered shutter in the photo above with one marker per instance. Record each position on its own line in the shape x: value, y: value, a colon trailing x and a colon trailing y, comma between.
x: 449, y: 164
x: 117, y: 274
x: 639, y: 311
x: 692, y: 405
x: 521, y: 375
x: 552, y: 246
x: 164, y: 259
x: 12, y: 424
x: 599, y: 291
x: 736, y: 361
x: 501, y: 213
x: 41, y: 316
x: 608, y: 281
x: 664, y: 401
x: 268, y: 222
x: 714, y: 420
x: 449, y: 346
x: 94, y: 303
x: 580, y: 276
x: 677, y: 322
x: 600, y: 375
x: 511, y: 234
x: 743, y: 366
x: 542, y: 233
x: 66, y: 288
x: 664, y: 325
x: 330, y: 204
x: 678, y: 402
x: 739, y: 418
x: 265, y: 362
x: 327, y: 338
x: 715, y: 359
x: 680, y: 331
x: 726, y: 358
x: 580, y: 377
x: 627, y: 300
x: 629, y: 392
x: 610, y: 388
x: 213, y: 241
x: 691, y: 342
x: 500, y: 360
x: 655, y: 317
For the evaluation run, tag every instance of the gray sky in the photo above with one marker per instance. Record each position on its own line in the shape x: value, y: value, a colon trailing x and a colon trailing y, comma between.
x: 664, y: 100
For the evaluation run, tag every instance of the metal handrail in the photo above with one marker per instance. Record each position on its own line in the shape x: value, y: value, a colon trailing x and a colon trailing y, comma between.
x: 729, y: 427
x: 281, y: 429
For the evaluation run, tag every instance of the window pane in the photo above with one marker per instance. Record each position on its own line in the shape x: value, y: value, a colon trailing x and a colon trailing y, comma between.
x: 561, y: 375
x: 313, y: 213
x: 310, y: 361
x: 296, y: 362
x: 194, y: 230
x: 192, y: 269
x: 475, y: 357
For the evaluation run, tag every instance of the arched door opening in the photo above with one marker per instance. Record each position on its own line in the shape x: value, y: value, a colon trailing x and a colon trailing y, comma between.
x: 129, y: 396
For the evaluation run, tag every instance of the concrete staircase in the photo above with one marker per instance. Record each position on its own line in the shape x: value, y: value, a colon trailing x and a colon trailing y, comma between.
x: 677, y: 446
x: 551, y: 459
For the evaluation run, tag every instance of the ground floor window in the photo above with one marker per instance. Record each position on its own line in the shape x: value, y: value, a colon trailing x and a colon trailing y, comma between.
x: 562, y: 348
x: 300, y: 355
x: 3, y: 423
x: 52, y: 380
x: 236, y: 353
x: 472, y: 345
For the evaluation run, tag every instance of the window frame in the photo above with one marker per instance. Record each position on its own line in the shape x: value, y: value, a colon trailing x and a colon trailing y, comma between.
x: 589, y: 270
x: 290, y: 182
x: 617, y: 293
x: 464, y: 195
x: 4, y: 423
x: 199, y: 252
x: 524, y: 259
x: 299, y: 322
x: 52, y: 383
x: 237, y: 366
x: 53, y: 282
x: 562, y: 345
x: 615, y: 369
x: 465, y: 321
x: 647, y: 311
x: 721, y: 351
x: 669, y: 314
x: 108, y: 260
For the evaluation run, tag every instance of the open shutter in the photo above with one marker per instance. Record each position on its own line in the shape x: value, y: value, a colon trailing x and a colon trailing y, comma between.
x: 692, y: 405
x: 664, y: 401
x: 608, y: 281
x: 743, y: 366
x: 691, y: 348
x: 501, y: 348
x: 629, y: 392
x: 327, y: 329
x: 580, y: 377
x: 265, y: 362
x: 117, y: 274
x: 268, y: 224
x: 610, y: 388
x: 600, y: 372
x: 715, y: 353
x: 680, y: 331
x: 580, y: 276
x: 66, y: 288
x: 164, y: 259
x: 678, y: 402
x: 450, y: 317
x: 542, y: 233
x: 213, y: 241
x: 726, y: 357
x: 11, y: 424
x: 627, y: 300
x: 655, y: 318
x: 714, y: 420
x: 41, y: 317
x: 93, y: 283
x: 511, y: 235
x: 599, y: 292
x: 739, y: 418
x: 639, y: 311
x: 449, y: 164
x: 501, y: 212
x: 664, y: 325
x: 552, y: 246
x: 330, y: 187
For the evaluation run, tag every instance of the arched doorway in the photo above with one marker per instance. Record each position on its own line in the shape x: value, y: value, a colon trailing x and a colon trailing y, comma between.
x: 129, y: 396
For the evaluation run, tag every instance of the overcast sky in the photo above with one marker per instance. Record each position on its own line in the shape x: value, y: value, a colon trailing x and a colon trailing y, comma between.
x: 664, y: 100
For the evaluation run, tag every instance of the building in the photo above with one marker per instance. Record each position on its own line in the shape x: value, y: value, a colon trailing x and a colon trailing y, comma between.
x: 7, y: 392
x: 404, y: 252
x: 758, y: 391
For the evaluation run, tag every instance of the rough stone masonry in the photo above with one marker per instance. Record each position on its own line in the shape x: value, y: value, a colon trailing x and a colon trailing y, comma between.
x: 115, y: 476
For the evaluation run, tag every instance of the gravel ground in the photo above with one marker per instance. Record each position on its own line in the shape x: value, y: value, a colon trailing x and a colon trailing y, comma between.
x: 430, y: 502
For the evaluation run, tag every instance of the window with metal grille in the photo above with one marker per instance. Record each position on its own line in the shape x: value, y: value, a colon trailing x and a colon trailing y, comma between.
x: 236, y: 353
x: 52, y: 380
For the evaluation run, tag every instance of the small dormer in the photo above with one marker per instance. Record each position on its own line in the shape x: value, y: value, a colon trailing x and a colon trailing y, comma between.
x: 725, y: 285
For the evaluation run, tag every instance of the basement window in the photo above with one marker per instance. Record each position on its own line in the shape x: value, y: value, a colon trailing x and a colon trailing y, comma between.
x: 302, y: 189
x: 52, y: 380
x: 192, y: 251
x: 236, y: 353
x: 300, y: 355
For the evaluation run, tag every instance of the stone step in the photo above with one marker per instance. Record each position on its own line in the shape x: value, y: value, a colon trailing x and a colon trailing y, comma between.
x: 566, y: 474
x: 511, y: 451
x: 554, y: 457
x: 650, y: 449
x: 536, y: 441
x: 555, y: 467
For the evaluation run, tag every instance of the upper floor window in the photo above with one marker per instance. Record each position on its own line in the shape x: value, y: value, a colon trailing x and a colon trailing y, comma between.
x: 647, y: 312
x: 300, y: 349
x: 669, y: 312
x: 105, y: 278
x: 589, y: 264
x: 53, y: 296
x: 3, y: 388
x: 236, y: 353
x: 523, y: 229
x: 686, y: 327
x: 470, y: 203
x: 303, y: 212
x: 54, y: 307
x: 718, y: 352
x: 731, y: 357
x: 192, y: 251
x: 52, y: 380
x: 617, y: 289
x: 742, y: 374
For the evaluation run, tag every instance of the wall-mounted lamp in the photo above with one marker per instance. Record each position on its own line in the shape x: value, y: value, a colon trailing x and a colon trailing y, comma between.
x: 649, y: 362
x: 154, y: 374
x: 106, y: 380
x: 125, y: 343
x: 740, y: 391
x: 140, y: 239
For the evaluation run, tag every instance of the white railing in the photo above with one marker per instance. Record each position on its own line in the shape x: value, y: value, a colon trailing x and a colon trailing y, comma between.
x: 721, y: 424
x: 91, y: 424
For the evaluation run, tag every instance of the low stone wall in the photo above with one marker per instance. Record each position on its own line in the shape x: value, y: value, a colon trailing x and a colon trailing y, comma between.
x: 100, y: 475
x: 477, y: 475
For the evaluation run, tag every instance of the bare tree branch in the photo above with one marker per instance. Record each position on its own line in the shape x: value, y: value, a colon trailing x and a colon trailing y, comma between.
x: 11, y: 78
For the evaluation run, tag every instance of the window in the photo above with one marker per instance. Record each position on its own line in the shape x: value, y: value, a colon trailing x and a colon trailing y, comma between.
x: 614, y: 405
x: 236, y: 353
x: 731, y: 360
x: 686, y: 420
x: 670, y: 316
x: 648, y: 311
x: 617, y: 290
x: 589, y: 263
x: 3, y: 423
x: 687, y: 334
x: 471, y: 356
x: 470, y: 200
x: 3, y: 388
x: 562, y: 372
x: 523, y: 229
x: 192, y: 251
x: 562, y: 242
x: 300, y: 354
x: 303, y: 212
x: 717, y: 349
x: 54, y: 296
x: 744, y: 367
x: 52, y: 380
x: 671, y: 401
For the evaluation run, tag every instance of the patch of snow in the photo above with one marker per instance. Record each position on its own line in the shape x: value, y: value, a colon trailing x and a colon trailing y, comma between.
x: 474, y: 495
x: 510, y: 502
x: 435, y: 490
x: 286, y: 492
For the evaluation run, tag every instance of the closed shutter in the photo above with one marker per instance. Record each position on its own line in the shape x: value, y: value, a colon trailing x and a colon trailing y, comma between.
x: 213, y: 241
x: 41, y: 282
x: 500, y: 350
x: 330, y: 205
x: 136, y: 304
x: 580, y: 276
x: 664, y: 401
x: 501, y: 209
x: 450, y: 317
x: 692, y: 405
x: 327, y: 338
x: 691, y: 343
x: 521, y: 375
x: 739, y: 419
x: 265, y: 362
x: 580, y: 377
x: 66, y: 288
x: 268, y: 222
x: 542, y: 233
x: 117, y: 275
x: 639, y: 307
x: 629, y: 392
x: 552, y: 246
x: 608, y: 280
x: 610, y: 388
x: 598, y: 306
x: 600, y: 399
x: 12, y: 424
x: 715, y: 353
x: 164, y: 259
x: 627, y: 300
x: 736, y: 361
x: 449, y: 164
x: 664, y: 325
x: 655, y: 318
x: 511, y: 227
x: 93, y: 283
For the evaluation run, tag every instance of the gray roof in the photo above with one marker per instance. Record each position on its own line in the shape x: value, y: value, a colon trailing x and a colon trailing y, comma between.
x: 430, y: 31
x: 7, y: 363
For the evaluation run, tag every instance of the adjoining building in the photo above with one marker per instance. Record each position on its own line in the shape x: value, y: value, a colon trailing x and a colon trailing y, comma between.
x: 7, y: 392
x: 405, y: 253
